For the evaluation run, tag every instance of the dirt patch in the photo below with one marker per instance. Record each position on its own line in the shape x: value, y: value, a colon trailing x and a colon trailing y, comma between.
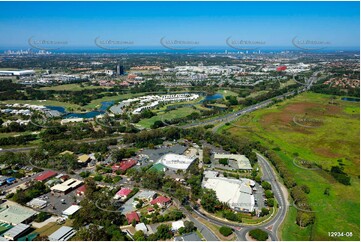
x: 326, y: 152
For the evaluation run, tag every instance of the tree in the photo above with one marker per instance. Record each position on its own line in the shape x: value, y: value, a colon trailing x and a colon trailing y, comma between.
x: 139, y: 236
x: 42, y: 216
x: 164, y: 232
x: 264, y: 212
x: 268, y: 194
x: 209, y: 200
x: 223, y: 161
x: 270, y: 202
x: 306, y: 189
x: 225, y: 231
x: 92, y: 233
x: 258, y: 234
x: 266, y: 185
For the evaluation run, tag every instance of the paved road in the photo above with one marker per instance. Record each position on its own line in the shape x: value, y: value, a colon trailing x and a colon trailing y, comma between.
x: 273, y: 224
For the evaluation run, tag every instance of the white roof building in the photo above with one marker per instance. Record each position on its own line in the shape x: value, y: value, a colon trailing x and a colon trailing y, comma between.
x: 66, y: 186
x: 71, y: 210
x: 174, y: 161
x: 237, y: 193
x: 177, y: 225
x: 17, y: 231
x: 62, y: 234
x: 37, y: 203
x: 141, y: 227
x: 242, y: 161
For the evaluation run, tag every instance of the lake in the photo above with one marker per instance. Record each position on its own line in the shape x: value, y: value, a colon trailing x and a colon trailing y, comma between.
x: 212, y: 97
x: 91, y: 114
x: 350, y: 99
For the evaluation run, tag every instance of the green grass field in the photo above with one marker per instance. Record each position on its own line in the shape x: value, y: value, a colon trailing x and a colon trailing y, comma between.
x: 335, y: 137
x: 162, y: 115
x: 70, y: 87
x: 96, y: 103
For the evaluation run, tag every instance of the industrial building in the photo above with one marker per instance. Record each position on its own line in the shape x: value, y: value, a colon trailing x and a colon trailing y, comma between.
x: 14, y: 214
x: 45, y: 176
x: 177, y: 162
x: 237, y: 193
x: 17, y: 73
x: 71, y: 210
x: 66, y: 186
x: 63, y: 234
x: 17, y: 232
x: 243, y: 162
x: 37, y: 203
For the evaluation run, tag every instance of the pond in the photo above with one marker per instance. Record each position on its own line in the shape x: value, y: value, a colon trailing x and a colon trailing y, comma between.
x: 91, y: 114
x: 212, y: 97
x: 350, y: 99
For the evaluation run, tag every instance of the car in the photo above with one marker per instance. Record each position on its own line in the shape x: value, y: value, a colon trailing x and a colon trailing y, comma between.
x: 63, y: 201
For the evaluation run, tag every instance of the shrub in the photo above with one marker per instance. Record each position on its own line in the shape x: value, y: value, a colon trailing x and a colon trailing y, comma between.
x: 258, y: 234
x: 225, y: 231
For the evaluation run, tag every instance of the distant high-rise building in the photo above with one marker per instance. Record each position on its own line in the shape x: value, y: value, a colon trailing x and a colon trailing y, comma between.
x: 120, y: 70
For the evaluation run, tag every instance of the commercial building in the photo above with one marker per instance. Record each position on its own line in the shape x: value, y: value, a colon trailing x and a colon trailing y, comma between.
x: 37, y: 203
x: 63, y: 234
x: 16, y: 232
x: 66, y: 186
x: 81, y: 190
x: 237, y: 193
x: 17, y: 73
x: 242, y: 161
x: 71, y: 210
x: 83, y: 159
x: 13, y: 213
x: 177, y: 162
x: 45, y: 176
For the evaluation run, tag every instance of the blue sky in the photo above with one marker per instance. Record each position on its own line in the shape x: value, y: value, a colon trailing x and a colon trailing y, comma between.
x: 209, y: 23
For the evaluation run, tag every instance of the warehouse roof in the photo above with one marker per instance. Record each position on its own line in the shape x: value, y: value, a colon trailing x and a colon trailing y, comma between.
x: 242, y: 161
x: 16, y: 231
x: 13, y: 213
x: 62, y: 234
x: 46, y: 175
x: 71, y: 210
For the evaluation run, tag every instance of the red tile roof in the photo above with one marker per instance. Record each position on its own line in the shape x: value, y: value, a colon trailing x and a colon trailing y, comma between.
x: 132, y: 216
x: 124, y: 165
x: 161, y: 200
x: 46, y: 175
x: 124, y: 192
x: 81, y: 190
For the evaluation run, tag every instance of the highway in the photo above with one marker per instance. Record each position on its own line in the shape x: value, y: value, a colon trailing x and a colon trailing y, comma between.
x: 281, y: 195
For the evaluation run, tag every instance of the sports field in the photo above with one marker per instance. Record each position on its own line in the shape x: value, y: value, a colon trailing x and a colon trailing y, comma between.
x: 317, y: 129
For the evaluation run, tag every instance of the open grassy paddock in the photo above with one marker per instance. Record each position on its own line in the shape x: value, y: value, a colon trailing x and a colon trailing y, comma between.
x: 167, y: 115
x: 314, y: 128
x: 71, y: 87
